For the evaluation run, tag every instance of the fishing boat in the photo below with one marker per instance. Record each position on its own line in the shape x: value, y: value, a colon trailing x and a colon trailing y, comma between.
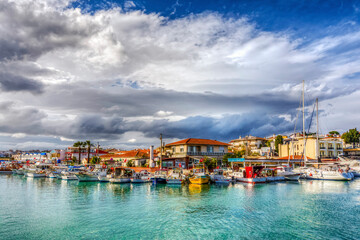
x: 141, y: 177
x: 121, y: 175
x: 288, y: 173
x: 5, y: 170
x: 38, y: 170
x: 159, y: 177
x: 199, y: 176
x: 175, y: 177
x: 87, y: 176
x: 218, y: 177
x: 251, y: 174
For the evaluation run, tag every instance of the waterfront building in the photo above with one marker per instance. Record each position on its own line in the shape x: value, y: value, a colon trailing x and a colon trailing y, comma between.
x: 249, y: 143
x: 73, y: 153
x: 139, y: 157
x: 190, y: 151
x: 328, y: 147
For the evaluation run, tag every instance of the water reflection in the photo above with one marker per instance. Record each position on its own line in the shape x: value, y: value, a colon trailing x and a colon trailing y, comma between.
x: 195, y: 189
x: 121, y: 190
x: 321, y: 186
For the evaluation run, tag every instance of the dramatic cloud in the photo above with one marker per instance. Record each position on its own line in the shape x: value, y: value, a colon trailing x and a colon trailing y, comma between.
x: 122, y: 76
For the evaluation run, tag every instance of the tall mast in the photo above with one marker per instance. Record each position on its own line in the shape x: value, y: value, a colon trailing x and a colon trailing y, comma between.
x: 317, y: 128
x: 161, y: 148
x: 303, y: 98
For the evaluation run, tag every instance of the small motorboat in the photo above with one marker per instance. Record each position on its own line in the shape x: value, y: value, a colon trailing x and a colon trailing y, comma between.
x: 121, y: 175
x: 218, y: 177
x: 199, y: 176
x: 141, y: 177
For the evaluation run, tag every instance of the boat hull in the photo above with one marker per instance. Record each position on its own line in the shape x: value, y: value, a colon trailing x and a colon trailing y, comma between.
x: 252, y: 180
x: 87, y: 178
x: 104, y: 179
x: 35, y: 175
x: 69, y: 178
x: 199, y: 180
x: 133, y: 180
x: 159, y: 180
x: 120, y: 180
x: 174, y: 181
x: 6, y: 172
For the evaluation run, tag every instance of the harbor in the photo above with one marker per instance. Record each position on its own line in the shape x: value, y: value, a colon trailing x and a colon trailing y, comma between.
x: 55, y: 209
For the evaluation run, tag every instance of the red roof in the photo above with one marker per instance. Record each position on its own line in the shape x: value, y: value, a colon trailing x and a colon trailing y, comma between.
x: 295, y: 157
x: 198, y: 141
x: 136, y: 153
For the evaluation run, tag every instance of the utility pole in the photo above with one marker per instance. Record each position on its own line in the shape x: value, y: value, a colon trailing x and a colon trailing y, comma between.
x: 161, y: 146
x: 97, y: 150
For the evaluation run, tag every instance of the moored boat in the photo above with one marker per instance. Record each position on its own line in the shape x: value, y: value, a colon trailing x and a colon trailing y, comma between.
x: 121, y: 175
x: 218, y: 177
x: 141, y: 177
x: 175, y: 177
x: 199, y: 176
x: 159, y: 177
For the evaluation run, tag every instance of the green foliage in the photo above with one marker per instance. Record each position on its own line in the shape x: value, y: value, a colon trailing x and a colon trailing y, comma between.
x: 268, y: 143
x: 278, y: 140
x: 351, y: 136
x: 95, y: 160
x: 130, y: 163
x: 332, y: 133
x: 210, y: 163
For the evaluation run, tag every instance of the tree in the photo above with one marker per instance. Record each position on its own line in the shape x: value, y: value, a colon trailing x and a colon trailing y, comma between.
x: 351, y: 136
x: 88, y: 144
x: 79, y: 145
x: 332, y: 133
x: 210, y: 163
x: 278, y: 140
x: 95, y: 160
x: 129, y: 163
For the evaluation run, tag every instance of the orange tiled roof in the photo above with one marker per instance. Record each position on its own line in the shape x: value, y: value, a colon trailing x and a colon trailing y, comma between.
x: 198, y: 141
x: 136, y: 153
x: 295, y: 157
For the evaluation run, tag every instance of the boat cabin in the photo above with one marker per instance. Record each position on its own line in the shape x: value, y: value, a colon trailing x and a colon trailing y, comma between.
x: 253, y: 171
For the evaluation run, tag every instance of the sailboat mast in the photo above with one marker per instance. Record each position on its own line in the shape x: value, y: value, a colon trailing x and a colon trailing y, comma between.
x: 317, y: 128
x: 304, y: 144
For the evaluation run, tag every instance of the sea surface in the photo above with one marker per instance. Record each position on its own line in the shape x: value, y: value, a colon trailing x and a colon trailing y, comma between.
x: 56, y: 209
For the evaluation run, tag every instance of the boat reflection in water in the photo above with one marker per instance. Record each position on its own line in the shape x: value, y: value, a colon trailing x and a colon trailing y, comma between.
x: 198, y: 188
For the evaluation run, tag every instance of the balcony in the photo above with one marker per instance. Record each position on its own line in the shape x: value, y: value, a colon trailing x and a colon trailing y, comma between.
x: 322, y: 147
x: 331, y: 148
x: 184, y: 154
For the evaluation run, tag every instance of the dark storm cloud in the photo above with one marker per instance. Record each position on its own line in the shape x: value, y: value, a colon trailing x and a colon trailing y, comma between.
x: 28, y: 32
x: 12, y: 83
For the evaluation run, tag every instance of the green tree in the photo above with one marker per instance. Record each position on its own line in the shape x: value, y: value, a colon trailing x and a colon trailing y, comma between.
x: 210, y: 163
x: 95, y: 160
x: 351, y: 136
x: 79, y: 145
x: 129, y: 163
x: 332, y: 133
x: 268, y: 143
x: 278, y: 140
x: 88, y: 144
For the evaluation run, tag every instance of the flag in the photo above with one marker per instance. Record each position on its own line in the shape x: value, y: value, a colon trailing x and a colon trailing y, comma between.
x: 201, y: 160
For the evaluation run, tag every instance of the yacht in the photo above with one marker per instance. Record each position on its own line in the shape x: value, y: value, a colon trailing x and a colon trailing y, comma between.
x: 70, y: 174
x: 327, y: 173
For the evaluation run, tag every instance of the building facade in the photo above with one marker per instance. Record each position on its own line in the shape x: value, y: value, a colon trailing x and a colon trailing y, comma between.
x: 328, y: 147
x: 188, y: 152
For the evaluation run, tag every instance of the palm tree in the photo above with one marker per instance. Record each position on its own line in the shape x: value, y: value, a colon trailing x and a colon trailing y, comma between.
x: 88, y: 144
x: 79, y: 144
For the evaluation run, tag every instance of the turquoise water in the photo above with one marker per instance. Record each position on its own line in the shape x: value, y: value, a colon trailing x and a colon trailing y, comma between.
x: 55, y: 209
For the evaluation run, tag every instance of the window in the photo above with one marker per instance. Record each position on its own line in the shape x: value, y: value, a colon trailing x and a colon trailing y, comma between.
x: 221, y: 149
x: 181, y: 148
x: 173, y: 149
x: 210, y: 149
x: 192, y: 148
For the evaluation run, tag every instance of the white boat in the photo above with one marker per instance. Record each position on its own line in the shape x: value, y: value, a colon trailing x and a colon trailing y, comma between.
x: 288, y: 173
x: 90, y: 176
x: 36, y: 173
x: 70, y: 174
x: 175, y: 177
x: 329, y: 173
x: 218, y: 177
x: 121, y: 175
x: 141, y: 177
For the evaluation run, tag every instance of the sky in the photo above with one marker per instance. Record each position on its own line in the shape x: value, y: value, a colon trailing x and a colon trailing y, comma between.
x: 122, y: 72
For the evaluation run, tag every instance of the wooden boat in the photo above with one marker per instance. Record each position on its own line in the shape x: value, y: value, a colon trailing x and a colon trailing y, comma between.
x: 199, y: 176
x: 218, y: 177
x: 141, y: 177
